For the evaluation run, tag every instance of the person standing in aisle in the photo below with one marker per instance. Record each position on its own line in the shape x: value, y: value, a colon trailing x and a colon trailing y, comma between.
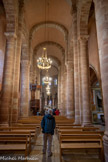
x: 48, y: 126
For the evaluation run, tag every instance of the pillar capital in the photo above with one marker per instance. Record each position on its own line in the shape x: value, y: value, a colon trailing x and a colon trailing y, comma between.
x: 83, y: 38
x: 69, y: 62
x: 10, y: 35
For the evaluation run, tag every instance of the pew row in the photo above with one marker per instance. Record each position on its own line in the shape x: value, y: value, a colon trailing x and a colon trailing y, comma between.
x: 15, y: 141
x: 77, y: 142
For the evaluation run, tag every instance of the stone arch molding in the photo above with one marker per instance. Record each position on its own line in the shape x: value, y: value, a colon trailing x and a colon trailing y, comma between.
x: 93, y: 68
x: 10, y: 9
x: 83, y: 10
x: 49, y: 43
x: 59, y: 27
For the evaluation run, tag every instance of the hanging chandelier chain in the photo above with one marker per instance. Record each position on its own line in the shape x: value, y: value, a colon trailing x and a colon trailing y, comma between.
x: 44, y: 62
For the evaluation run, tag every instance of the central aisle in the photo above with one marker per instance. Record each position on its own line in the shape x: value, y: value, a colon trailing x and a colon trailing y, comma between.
x: 37, y: 151
x: 37, y: 156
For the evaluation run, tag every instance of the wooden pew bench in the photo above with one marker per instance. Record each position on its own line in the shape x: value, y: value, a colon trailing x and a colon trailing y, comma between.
x: 86, y: 133
x: 25, y: 125
x: 17, y: 134
x: 77, y: 142
x: 79, y: 127
x: 29, y: 121
x: 35, y: 126
x: 67, y: 124
x: 14, y: 144
x: 68, y: 132
x: 24, y: 129
x: 69, y: 129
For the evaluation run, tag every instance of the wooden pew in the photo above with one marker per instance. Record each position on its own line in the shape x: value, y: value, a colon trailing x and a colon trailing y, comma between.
x: 36, y: 126
x: 18, y: 134
x: 70, y: 128
x: 81, y: 133
x: 20, y: 144
x: 69, y: 132
x: 26, y: 125
x: 84, y: 141
x: 24, y: 129
x: 77, y: 127
x: 67, y: 124
x: 29, y: 121
x: 15, y: 141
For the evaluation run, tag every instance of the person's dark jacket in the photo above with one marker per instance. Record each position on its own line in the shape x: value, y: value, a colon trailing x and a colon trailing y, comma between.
x: 48, y: 124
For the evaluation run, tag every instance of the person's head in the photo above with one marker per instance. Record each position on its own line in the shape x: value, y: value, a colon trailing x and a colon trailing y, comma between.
x: 50, y: 111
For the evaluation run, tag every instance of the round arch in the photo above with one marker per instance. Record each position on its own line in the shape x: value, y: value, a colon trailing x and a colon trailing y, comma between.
x: 83, y: 17
x: 95, y: 72
x: 59, y: 27
x: 49, y: 43
x: 11, y: 10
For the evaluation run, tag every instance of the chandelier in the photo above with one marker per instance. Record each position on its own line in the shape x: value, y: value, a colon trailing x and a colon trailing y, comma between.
x: 48, y: 92
x: 48, y: 88
x: 44, y: 62
x: 47, y: 79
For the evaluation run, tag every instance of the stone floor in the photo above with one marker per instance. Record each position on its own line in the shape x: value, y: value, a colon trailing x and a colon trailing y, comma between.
x: 37, y: 156
x: 82, y: 156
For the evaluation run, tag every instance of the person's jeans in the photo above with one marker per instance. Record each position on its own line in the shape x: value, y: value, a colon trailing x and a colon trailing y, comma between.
x: 47, y: 137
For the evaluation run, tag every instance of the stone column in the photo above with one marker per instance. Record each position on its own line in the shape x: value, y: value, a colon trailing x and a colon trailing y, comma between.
x: 15, y: 101
x: 101, y: 12
x: 76, y: 58
x: 80, y: 83
x: 6, y: 98
x: 24, y: 106
x: 59, y: 89
x: 2, y: 47
x: 65, y: 82
x: 41, y: 103
x: 62, y: 111
x: 85, y: 81
x: 70, y: 90
x: 38, y: 93
x: 53, y: 101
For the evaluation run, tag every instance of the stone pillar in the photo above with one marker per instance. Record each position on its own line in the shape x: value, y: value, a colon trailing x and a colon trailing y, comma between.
x: 38, y: 93
x: 70, y: 91
x: 15, y: 101
x: 59, y: 89
x: 24, y: 99
x: 53, y: 101
x: 6, y: 98
x: 76, y: 58
x: 101, y: 12
x: 2, y: 47
x: 62, y: 111
x: 41, y: 103
x: 65, y: 82
x: 80, y: 83
x: 76, y: 84
x: 85, y: 81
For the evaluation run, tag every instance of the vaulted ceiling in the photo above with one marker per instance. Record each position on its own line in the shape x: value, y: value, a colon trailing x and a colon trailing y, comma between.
x: 48, y: 21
